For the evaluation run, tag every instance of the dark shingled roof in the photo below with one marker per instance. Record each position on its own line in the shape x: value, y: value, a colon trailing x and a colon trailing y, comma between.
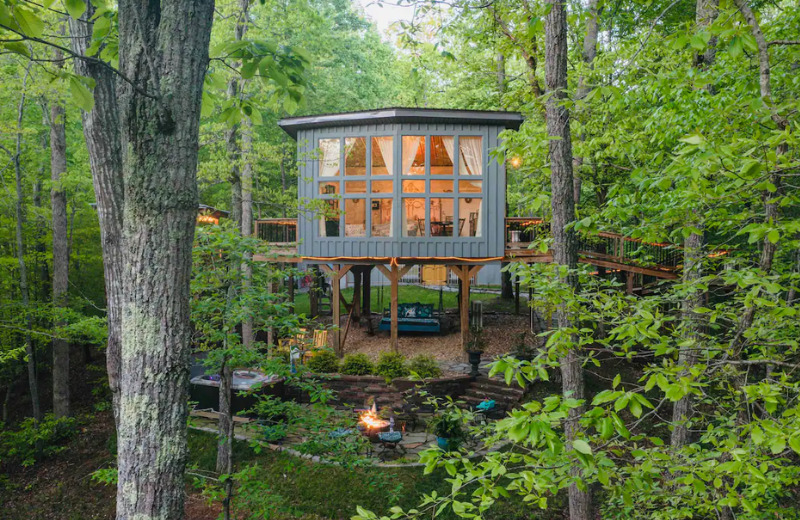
x: 512, y: 120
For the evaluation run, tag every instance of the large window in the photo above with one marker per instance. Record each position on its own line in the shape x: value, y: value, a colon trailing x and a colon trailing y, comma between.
x: 413, y: 155
x: 414, y: 217
x: 440, y: 186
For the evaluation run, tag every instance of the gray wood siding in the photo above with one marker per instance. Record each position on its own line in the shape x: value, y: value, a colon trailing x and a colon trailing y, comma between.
x: 490, y: 244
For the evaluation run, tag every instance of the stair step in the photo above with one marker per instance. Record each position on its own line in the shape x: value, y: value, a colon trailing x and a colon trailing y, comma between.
x: 514, y: 390
x: 473, y: 392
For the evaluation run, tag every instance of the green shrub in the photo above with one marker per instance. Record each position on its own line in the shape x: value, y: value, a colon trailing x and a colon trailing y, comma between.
x: 425, y: 367
x: 357, y: 365
x: 391, y: 365
x: 323, y: 362
x: 30, y: 442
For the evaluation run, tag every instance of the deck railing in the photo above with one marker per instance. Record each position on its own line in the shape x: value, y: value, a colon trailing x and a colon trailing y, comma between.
x: 603, y: 247
x: 521, y: 232
x: 277, y: 230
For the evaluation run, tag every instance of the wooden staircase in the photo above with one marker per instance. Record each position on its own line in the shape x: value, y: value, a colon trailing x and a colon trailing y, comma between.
x: 506, y: 397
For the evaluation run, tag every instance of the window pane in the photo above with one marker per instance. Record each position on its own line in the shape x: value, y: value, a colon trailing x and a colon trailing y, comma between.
x: 442, y: 153
x: 441, y: 217
x: 355, y: 186
x: 470, y: 186
x: 382, y: 156
x: 328, y: 157
x: 328, y: 188
x: 355, y: 218
x: 381, y: 217
x: 441, y: 186
x: 329, y: 222
x: 471, y: 157
x: 382, y: 187
x: 355, y: 153
x: 413, y: 217
x: 413, y: 155
x: 470, y: 216
x: 413, y: 186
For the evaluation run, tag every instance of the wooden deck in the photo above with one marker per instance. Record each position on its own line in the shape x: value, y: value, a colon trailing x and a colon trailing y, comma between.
x: 607, y: 250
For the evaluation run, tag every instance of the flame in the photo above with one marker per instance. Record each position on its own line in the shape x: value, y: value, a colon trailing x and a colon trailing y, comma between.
x: 371, y: 420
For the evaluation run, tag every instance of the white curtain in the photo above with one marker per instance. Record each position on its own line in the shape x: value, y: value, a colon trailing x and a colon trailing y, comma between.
x: 329, y: 160
x: 479, y: 224
x: 449, y: 142
x: 387, y: 151
x: 471, y: 154
x: 410, y: 149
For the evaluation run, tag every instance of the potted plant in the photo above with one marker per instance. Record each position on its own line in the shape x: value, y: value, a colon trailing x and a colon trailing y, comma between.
x: 448, y: 430
x: 475, y: 347
x: 522, y: 349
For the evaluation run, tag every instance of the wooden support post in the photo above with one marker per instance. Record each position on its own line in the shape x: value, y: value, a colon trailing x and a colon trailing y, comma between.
x: 356, y: 311
x: 365, y: 298
x: 516, y: 294
x: 395, y: 278
x: 336, y: 309
x: 336, y: 272
x: 291, y: 292
x: 629, y: 279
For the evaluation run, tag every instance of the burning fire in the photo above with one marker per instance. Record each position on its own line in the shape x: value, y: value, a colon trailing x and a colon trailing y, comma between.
x: 371, y: 420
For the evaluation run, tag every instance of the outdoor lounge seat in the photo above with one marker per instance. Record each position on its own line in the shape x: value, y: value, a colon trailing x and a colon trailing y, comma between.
x: 412, y: 317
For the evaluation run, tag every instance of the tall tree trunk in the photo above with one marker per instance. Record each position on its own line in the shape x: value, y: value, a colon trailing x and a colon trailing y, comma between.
x: 589, y: 54
x: 58, y: 204
x: 225, y: 425
x: 501, y: 74
x: 164, y: 51
x: 706, y: 13
x: 248, y: 335
x: 565, y: 244
x: 692, y: 272
x: 101, y: 131
x: 24, y: 288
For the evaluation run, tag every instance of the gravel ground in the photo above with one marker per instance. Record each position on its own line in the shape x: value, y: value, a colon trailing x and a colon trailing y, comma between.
x: 500, y: 331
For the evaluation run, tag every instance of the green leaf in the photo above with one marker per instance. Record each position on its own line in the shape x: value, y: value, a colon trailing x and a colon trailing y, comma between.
x: 693, y: 139
x: 616, y: 381
x: 75, y: 8
x: 773, y: 236
x: 794, y: 443
x: 18, y: 48
x: 29, y: 22
x: 80, y: 94
x: 582, y: 446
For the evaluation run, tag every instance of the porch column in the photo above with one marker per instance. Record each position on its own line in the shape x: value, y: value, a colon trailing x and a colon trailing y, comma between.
x: 394, y: 276
x: 356, y: 301
x: 336, y: 272
x: 464, y: 273
x: 365, y: 297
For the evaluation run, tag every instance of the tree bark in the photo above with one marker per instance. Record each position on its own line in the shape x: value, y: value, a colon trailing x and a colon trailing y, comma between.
x: 687, y: 357
x: 225, y: 426
x: 58, y: 204
x: 248, y: 335
x: 24, y: 289
x: 589, y: 54
x: 164, y: 50
x: 101, y: 131
x: 565, y: 250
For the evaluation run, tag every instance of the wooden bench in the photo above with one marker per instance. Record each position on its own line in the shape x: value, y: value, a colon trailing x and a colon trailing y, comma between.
x: 413, y: 317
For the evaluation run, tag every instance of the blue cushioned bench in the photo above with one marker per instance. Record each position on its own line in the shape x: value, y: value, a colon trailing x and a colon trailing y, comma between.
x: 412, y: 317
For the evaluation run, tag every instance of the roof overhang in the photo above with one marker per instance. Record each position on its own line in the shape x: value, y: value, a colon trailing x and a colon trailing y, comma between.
x: 512, y: 120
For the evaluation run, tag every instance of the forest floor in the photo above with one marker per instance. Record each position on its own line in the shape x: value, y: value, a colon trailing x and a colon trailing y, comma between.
x: 61, y: 487
x: 501, y: 331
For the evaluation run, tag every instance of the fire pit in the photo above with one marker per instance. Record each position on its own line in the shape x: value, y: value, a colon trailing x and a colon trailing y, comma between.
x: 370, y: 425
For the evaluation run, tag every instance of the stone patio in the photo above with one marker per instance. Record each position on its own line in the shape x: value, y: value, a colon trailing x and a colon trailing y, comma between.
x: 413, y: 442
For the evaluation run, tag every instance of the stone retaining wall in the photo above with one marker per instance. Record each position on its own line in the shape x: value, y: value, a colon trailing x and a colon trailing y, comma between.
x: 359, y: 390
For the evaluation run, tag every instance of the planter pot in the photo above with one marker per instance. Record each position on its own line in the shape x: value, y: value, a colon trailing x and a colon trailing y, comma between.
x: 474, y: 360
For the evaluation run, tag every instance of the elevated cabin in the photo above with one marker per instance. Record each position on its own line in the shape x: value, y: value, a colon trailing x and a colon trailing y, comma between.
x: 402, y: 183
x: 399, y: 187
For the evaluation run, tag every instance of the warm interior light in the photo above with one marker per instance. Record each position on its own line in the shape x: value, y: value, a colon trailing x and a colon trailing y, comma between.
x: 516, y: 161
x: 207, y: 219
